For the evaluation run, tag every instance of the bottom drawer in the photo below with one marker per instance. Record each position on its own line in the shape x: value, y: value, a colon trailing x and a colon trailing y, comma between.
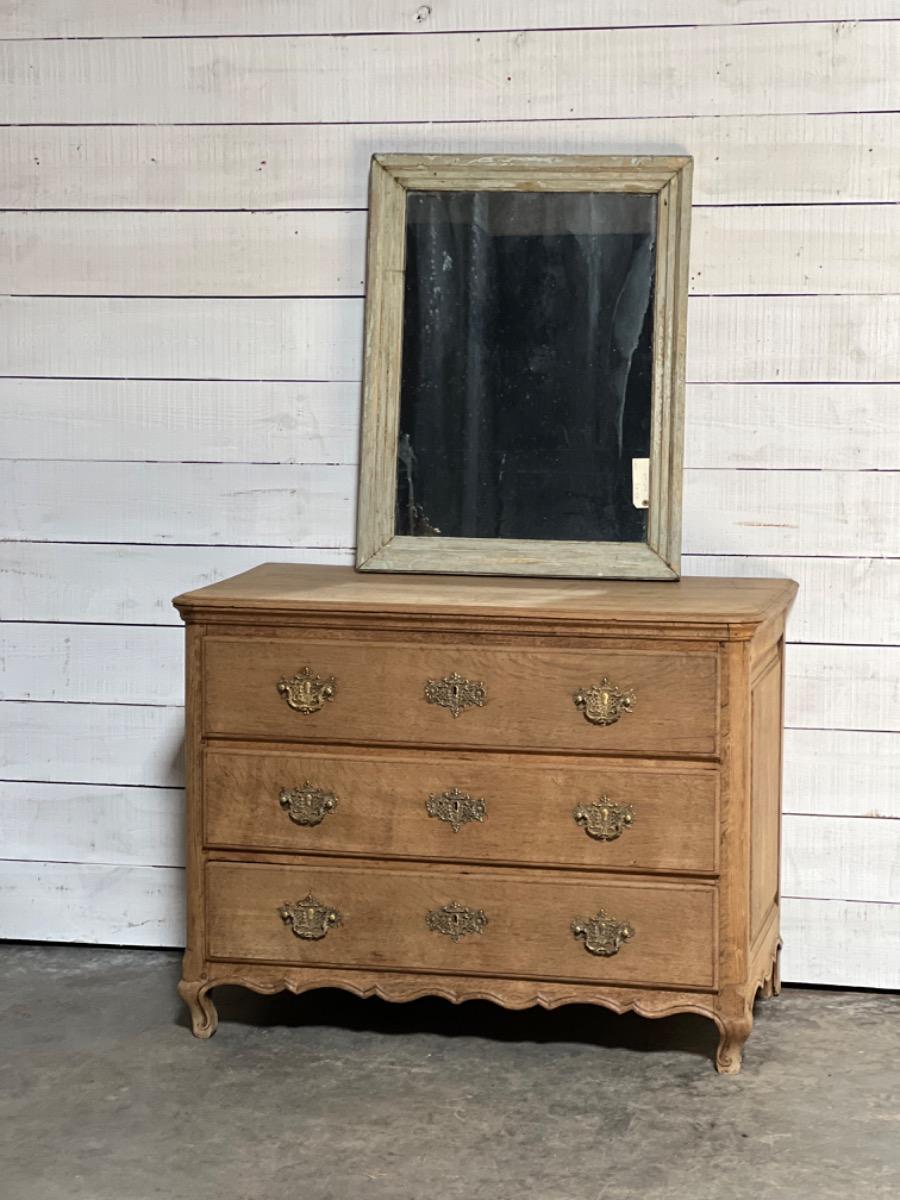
x: 464, y: 922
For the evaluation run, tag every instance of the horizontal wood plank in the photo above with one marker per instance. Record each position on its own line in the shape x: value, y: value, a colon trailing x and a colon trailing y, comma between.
x: 841, y: 600
x: 731, y: 339
x: 174, y: 18
x: 757, y: 159
x: 795, y: 250
x: 143, y: 420
x: 826, y: 426
x: 93, y: 903
x: 94, y: 743
x: 783, y: 426
x: 839, y: 943
x: 839, y: 249
x: 809, y: 513
x: 841, y: 773
x: 649, y: 72
x: 93, y: 823
x: 843, y: 687
x: 98, y: 664
x: 841, y: 858
x: 226, y: 504
x: 115, y: 584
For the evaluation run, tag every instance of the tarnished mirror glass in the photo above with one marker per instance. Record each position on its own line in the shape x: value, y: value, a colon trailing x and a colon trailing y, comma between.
x: 526, y: 378
x: 523, y: 366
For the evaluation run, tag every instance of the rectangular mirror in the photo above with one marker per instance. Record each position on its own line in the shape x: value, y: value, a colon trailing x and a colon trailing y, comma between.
x: 524, y: 366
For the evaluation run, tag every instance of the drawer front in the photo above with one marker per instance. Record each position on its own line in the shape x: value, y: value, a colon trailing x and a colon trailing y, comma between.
x: 536, y: 925
x: 488, y: 808
x: 338, y: 690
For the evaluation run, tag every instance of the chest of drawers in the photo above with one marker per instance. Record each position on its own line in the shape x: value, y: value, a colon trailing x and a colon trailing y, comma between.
x: 535, y: 792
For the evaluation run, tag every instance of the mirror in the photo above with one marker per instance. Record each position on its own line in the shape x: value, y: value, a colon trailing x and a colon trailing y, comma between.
x: 524, y: 342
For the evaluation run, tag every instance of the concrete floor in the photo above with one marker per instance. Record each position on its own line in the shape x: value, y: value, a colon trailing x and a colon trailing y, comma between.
x: 106, y: 1096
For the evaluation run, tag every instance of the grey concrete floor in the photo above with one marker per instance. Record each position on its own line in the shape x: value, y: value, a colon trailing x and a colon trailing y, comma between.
x: 106, y: 1096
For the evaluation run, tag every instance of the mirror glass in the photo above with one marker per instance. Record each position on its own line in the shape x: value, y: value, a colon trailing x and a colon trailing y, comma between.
x: 525, y: 394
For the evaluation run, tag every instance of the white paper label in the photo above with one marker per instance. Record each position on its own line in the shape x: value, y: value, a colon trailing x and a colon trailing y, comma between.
x: 640, y: 482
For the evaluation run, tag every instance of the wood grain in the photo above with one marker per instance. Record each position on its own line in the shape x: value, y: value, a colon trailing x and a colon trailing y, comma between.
x: 172, y: 18
x: 146, y: 420
x: 91, y: 902
x: 94, y: 743
x: 831, y: 941
x: 833, y: 858
x: 225, y: 504
x: 93, y: 823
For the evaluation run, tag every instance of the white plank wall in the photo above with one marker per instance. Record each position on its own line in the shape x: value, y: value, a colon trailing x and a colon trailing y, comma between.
x: 182, y: 224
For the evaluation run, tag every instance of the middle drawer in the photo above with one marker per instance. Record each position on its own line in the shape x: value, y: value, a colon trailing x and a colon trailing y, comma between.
x: 473, y: 807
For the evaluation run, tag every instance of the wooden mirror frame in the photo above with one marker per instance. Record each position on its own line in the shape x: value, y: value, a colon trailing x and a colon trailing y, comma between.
x: 379, y: 548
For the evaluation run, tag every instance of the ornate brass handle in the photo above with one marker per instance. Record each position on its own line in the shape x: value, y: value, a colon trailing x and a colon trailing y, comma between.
x: 455, y: 920
x: 604, y: 820
x: 307, y: 805
x: 602, y: 935
x: 306, y: 692
x: 309, y: 918
x: 604, y: 703
x: 455, y: 693
x: 456, y: 808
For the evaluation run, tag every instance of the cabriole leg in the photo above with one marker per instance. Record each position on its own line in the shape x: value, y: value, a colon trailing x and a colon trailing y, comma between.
x: 204, y: 1018
x: 734, y: 1023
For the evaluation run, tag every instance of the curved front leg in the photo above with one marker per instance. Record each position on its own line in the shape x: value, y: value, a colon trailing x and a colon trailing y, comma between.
x: 734, y: 1029
x: 204, y: 1018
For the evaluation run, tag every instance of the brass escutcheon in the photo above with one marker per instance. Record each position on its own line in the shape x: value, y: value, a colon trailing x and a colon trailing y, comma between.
x: 602, y: 935
x: 456, y: 808
x: 455, y: 920
x: 309, y: 918
x: 604, y: 820
x: 604, y: 703
x: 455, y: 693
x: 307, y: 805
x: 306, y: 692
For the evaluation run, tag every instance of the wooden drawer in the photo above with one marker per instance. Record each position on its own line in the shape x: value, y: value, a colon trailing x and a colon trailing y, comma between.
x: 510, y: 809
x: 379, y: 695
x: 384, y: 915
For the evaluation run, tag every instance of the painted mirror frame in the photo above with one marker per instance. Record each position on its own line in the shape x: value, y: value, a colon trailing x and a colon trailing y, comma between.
x: 379, y: 547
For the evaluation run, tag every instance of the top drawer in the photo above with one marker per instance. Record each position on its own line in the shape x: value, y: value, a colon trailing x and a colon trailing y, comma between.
x: 585, y: 700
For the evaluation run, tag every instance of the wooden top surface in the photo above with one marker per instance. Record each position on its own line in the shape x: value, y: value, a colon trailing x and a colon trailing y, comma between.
x: 295, y: 588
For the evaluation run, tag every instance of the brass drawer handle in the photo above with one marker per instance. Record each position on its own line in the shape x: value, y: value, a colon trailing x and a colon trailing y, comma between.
x: 455, y: 693
x: 604, y: 820
x: 604, y: 703
x: 307, y: 805
x: 306, y: 692
x: 456, y: 808
x: 455, y: 920
x: 309, y: 918
x: 602, y: 935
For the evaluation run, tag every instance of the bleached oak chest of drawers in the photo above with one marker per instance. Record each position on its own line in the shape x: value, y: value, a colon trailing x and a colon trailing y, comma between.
x: 537, y: 792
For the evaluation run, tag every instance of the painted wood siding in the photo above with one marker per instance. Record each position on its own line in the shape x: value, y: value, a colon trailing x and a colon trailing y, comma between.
x: 182, y: 224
